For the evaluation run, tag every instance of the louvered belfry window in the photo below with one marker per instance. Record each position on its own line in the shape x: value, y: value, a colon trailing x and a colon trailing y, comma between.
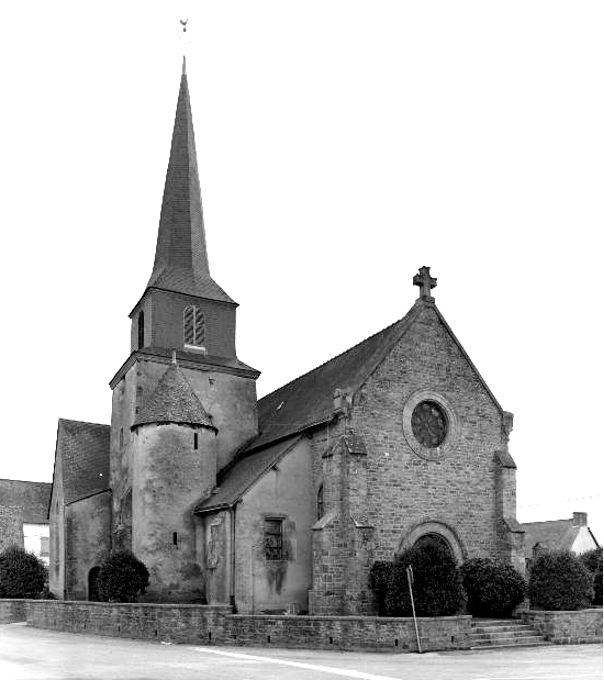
x: 194, y: 326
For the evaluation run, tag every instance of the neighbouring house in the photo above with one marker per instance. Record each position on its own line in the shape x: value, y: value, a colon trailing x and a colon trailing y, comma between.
x: 24, y: 516
x: 561, y: 534
x: 283, y: 502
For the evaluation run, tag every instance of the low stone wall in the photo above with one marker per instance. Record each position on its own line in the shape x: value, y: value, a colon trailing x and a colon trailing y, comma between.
x: 351, y: 632
x: 209, y: 625
x: 186, y: 623
x: 12, y: 611
x: 563, y: 628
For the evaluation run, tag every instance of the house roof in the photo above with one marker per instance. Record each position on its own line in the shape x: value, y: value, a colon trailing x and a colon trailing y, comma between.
x: 236, y: 479
x: 557, y: 534
x: 84, y: 449
x: 31, y: 497
x: 173, y: 401
x: 308, y: 400
x: 181, y: 257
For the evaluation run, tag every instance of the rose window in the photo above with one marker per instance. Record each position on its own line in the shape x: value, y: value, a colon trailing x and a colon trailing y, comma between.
x: 429, y: 424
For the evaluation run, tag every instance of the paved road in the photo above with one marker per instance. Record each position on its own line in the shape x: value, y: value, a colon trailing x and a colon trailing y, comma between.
x: 33, y: 654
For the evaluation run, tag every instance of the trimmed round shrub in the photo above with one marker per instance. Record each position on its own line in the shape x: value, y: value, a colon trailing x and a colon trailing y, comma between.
x: 559, y: 581
x: 592, y: 559
x: 22, y: 574
x: 378, y: 582
x: 122, y: 578
x: 493, y: 587
x: 437, y: 588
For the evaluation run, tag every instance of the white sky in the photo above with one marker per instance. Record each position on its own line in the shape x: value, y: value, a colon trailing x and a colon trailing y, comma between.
x: 342, y: 145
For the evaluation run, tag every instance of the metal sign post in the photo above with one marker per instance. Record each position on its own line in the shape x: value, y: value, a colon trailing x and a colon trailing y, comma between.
x: 409, y: 571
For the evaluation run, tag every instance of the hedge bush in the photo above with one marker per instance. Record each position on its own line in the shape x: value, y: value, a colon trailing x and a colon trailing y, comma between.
x: 122, y: 578
x: 559, y: 581
x: 592, y: 559
x: 437, y: 588
x: 379, y: 575
x: 22, y: 574
x: 493, y: 587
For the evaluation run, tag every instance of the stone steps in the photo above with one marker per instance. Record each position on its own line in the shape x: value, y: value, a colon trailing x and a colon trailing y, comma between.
x: 498, y: 633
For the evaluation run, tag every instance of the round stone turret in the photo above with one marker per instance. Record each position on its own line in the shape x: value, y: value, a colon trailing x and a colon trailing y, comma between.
x: 174, y: 468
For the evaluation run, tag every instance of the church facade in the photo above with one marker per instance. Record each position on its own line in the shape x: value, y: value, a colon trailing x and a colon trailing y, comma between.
x: 281, y: 503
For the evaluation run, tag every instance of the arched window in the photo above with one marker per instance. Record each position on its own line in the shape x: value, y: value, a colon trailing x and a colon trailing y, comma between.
x: 194, y: 326
x: 320, y: 506
x: 141, y: 329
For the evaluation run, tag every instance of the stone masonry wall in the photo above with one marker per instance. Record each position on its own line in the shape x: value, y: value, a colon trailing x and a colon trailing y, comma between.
x: 191, y: 624
x: 350, y: 632
x: 213, y: 624
x: 12, y: 611
x: 563, y: 628
x: 455, y: 488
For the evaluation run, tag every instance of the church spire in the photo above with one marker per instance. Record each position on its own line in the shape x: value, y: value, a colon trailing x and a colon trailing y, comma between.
x: 181, y: 258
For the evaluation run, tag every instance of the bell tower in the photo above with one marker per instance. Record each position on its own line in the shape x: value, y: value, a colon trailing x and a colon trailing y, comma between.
x: 182, y: 306
x: 183, y: 316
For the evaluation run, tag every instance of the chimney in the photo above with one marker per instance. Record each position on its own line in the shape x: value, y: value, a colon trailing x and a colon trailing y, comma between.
x: 579, y: 519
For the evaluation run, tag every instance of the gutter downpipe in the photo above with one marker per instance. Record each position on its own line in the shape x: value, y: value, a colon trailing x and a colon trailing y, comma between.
x: 232, y: 595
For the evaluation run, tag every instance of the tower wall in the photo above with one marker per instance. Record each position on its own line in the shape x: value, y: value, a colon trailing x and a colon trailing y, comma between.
x: 123, y: 412
x: 229, y: 399
x: 163, y: 321
x: 170, y: 476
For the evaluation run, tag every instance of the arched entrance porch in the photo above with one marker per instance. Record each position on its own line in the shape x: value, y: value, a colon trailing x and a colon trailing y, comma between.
x: 435, y: 533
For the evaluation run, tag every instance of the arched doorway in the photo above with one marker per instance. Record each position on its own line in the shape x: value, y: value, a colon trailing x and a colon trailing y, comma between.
x: 93, y: 584
x: 436, y: 540
x: 434, y: 532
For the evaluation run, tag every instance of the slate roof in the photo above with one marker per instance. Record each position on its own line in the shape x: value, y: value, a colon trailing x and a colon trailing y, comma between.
x: 31, y: 497
x: 173, y: 401
x: 181, y: 258
x: 553, y: 535
x: 182, y: 280
x: 308, y: 400
x: 84, y: 449
x: 298, y: 405
x: 235, y: 480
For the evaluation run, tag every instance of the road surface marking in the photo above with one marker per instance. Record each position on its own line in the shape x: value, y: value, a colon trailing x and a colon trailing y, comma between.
x: 543, y: 677
x: 297, y: 664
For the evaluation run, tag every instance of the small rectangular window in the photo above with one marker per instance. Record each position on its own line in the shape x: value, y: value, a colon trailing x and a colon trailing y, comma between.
x: 195, y: 441
x: 175, y: 538
x: 273, y: 539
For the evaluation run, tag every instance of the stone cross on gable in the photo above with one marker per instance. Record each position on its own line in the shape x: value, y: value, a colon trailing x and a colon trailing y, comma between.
x: 424, y: 281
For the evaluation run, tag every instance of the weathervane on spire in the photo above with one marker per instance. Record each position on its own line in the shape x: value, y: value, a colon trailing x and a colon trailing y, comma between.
x: 184, y: 41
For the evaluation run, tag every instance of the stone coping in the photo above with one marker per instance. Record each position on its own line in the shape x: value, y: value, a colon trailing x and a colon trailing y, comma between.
x: 160, y: 605
x: 321, y: 617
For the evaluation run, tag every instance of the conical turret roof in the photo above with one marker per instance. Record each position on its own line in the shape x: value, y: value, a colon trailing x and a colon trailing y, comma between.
x: 173, y: 401
x: 181, y: 257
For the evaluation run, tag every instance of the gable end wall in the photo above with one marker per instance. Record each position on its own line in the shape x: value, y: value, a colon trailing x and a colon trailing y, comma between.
x: 406, y: 489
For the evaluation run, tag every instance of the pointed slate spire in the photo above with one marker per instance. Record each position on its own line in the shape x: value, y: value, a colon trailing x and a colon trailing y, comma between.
x: 173, y: 401
x: 181, y: 258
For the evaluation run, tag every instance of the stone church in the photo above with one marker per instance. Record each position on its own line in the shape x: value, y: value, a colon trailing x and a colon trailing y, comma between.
x: 282, y: 503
